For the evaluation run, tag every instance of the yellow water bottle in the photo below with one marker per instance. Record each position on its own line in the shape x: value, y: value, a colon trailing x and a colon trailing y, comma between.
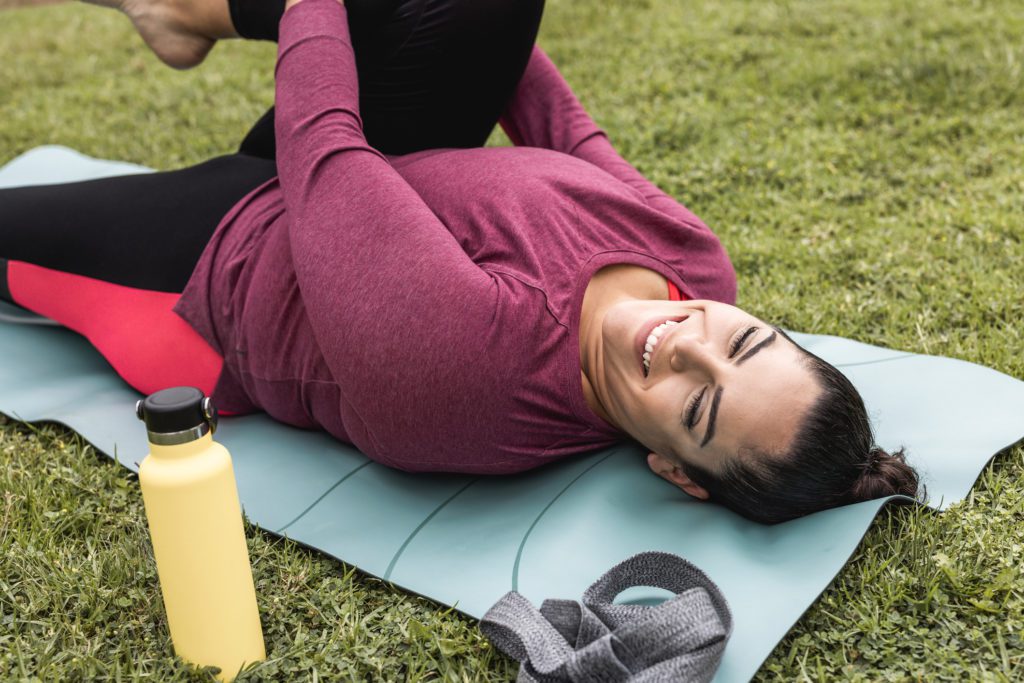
x: 195, y: 523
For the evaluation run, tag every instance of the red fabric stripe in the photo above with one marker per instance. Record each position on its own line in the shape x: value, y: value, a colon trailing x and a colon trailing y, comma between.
x: 148, y: 345
x: 673, y: 292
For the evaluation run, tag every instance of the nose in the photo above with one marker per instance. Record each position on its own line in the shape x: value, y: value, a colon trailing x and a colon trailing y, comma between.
x: 691, y: 353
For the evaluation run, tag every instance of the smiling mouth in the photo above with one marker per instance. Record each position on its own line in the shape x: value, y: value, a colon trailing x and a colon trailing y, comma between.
x: 654, y: 335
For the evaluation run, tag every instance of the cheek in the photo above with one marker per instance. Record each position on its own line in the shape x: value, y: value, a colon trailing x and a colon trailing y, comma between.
x: 660, y: 416
x: 617, y: 338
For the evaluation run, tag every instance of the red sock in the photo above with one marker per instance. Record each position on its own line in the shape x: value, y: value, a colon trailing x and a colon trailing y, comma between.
x: 149, y: 345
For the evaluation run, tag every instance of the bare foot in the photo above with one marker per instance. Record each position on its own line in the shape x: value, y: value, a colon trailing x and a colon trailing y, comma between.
x: 179, y: 32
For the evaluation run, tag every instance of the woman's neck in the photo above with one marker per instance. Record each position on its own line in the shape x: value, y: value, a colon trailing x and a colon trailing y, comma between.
x: 608, y: 286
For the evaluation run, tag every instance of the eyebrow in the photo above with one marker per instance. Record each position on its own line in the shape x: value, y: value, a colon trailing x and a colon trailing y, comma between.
x: 710, y: 433
x: 713, y: 415
x: 768, y: 341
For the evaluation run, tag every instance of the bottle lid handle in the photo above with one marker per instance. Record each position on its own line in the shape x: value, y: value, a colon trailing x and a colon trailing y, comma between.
x: 177, y: 415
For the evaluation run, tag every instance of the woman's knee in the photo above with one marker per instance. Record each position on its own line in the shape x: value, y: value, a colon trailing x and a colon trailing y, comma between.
x: 438, y: 73
x: 432, y: 73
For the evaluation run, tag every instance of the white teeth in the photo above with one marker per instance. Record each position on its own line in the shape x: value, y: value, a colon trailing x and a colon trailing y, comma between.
x: 652, y: 340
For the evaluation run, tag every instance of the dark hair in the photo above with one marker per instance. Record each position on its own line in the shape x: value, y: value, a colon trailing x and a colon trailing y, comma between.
x: 832, y: 461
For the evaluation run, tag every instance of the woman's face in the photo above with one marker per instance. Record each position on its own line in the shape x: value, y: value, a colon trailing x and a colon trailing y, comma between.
x: 720, y: 382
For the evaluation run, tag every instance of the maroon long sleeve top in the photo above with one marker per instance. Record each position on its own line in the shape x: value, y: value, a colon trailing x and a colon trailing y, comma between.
x: 425, y: 308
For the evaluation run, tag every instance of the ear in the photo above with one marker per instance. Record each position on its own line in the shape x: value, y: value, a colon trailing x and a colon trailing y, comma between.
x: 668, y: 471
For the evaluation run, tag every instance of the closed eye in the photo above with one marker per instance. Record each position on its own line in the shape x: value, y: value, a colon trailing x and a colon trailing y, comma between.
x: 737, y: 344
x: 691, y: 410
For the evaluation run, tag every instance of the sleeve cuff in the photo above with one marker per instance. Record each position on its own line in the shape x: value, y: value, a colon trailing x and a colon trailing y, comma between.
x: 312, y: 18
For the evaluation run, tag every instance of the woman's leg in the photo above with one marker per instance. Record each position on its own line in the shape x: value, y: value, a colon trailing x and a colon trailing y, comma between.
x: 146, y: 343
x: 108, y: 258
x: 432, y: 73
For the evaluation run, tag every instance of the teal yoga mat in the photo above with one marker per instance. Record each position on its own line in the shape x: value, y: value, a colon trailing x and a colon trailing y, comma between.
x: 464, y: 541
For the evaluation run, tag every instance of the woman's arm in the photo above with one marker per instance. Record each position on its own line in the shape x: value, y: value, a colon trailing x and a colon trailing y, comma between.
x: 393, y: 300
x: 544, y: 112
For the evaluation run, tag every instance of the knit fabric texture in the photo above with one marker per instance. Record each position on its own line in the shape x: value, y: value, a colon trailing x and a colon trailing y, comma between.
x: 596, y: 641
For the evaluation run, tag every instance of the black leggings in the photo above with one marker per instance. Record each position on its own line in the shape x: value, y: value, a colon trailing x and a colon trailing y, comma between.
x: 432, y: 73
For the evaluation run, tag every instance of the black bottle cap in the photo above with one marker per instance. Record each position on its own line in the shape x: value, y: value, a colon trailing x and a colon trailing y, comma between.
x: 175, y: 410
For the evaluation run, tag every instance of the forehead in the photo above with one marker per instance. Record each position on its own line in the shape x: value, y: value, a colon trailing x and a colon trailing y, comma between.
x: 764, y: 401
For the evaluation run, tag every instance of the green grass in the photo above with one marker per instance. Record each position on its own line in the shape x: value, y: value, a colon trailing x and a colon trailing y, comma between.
x: 862, y: 163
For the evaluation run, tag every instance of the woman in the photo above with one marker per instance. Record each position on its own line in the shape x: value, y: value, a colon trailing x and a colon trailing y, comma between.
x: 459, y: 309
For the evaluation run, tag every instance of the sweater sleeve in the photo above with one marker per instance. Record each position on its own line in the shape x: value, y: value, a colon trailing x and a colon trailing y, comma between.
x: 393, y: 300
x: 544, y: 112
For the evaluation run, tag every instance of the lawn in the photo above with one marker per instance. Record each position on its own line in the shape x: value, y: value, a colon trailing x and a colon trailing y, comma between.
x: 860, y: 160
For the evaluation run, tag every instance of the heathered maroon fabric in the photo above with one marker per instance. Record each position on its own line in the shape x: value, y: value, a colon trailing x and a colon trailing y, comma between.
x: 425, y: 308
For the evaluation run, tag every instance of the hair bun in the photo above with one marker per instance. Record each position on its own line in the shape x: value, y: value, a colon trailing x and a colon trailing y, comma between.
x: 876, y: 457
x: 885, y: 474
